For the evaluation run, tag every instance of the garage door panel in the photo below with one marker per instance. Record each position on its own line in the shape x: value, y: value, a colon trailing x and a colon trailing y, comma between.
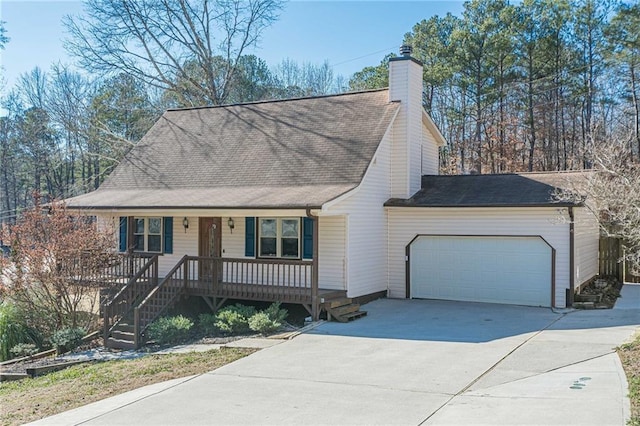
x: 514, y: 270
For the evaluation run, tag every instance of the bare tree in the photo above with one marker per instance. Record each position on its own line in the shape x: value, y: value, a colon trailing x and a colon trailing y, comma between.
x: 308, y: 79
x: 612, y: 193
x: 54, y: 257
x: 171, y: 44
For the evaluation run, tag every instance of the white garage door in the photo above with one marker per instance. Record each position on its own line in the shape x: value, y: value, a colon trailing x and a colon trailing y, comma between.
x: 513, y: 270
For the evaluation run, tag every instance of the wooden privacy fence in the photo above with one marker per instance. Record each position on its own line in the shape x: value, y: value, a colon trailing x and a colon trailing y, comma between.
x: 611, y: 253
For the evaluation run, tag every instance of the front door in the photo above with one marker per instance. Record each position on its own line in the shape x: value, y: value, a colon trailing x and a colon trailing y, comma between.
x: 209, y: 246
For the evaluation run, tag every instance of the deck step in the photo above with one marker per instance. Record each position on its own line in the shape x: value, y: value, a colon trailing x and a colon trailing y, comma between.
x: 123, y: 335
x: 113, y: 343
x: 332, y: 294
x: 345, y: 309
x: 355, y: 315
x: 336, y: 303
x: 125, y: 328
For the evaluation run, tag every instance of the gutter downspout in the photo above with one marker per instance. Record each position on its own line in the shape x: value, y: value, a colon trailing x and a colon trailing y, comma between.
x: 572, y: 261
x: 315, y: 306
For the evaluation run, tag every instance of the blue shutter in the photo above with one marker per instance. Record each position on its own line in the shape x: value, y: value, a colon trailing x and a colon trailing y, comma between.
x: 307, y: 237
x: 124, y: 220
x: 250, y: 236
x: 168, y: 234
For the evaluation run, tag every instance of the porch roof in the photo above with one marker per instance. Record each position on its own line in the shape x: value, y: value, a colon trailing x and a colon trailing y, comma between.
x: 275, y: 154
x: 255, y: 197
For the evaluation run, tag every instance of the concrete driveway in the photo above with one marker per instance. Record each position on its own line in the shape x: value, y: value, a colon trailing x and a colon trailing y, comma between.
x: 409, y: 362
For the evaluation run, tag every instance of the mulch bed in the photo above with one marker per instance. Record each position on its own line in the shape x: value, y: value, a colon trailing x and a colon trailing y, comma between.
x: 600, y: 293
x: 50, y: 361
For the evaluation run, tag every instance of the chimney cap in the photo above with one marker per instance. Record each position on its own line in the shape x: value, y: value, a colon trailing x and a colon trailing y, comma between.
x: 406, y: 50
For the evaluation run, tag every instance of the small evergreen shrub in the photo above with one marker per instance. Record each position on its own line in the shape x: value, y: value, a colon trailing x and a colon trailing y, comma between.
x: 67, y: 339
x: 24, y: 349
x: 12, y: 329
x: 261, y: 323
x: 170, y: 329
x: 269, y: 320
x: 207, y: 323
x: 234, y: 319
x: 275, y: 313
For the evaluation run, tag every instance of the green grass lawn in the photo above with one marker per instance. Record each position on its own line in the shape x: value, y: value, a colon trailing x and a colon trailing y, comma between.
x: 32, y: 399
x: 630, y: 356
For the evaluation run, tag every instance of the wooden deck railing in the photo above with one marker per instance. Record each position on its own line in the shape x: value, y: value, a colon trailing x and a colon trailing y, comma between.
x: 135, y: 289
x: 159, y: 298
x: 105, y: 268
x: 288, y: 281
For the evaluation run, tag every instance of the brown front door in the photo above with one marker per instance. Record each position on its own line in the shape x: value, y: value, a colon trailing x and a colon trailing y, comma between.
x: 209, y: 246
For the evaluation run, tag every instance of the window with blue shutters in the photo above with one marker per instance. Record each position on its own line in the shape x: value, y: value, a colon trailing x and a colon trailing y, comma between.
x: 149, y: 234
x: 285, y: 238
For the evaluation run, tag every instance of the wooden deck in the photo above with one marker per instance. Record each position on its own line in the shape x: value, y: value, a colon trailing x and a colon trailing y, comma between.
x: 257, y: 292
x: 146, y: 296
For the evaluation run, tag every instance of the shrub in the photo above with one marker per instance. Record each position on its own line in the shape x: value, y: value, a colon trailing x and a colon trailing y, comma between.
x: 275, y: 313
x: 261, y: 323
x: 269, y: 320
x: 12, y: 330
x: 24, y: 349
x: 234, y: 319
x: 170, y: 329
x: 207, y: 323
x: 67, y: 339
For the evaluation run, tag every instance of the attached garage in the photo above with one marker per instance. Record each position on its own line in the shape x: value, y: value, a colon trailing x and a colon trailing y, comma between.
x: 497, y: 269
x: 491, y: 238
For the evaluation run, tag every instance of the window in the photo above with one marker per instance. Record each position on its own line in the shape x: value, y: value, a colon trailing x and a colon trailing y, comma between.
x: 147, y: 234
x: 279, y: 238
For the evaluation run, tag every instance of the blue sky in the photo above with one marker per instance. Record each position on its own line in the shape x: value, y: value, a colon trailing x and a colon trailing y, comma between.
x: 349, y: 34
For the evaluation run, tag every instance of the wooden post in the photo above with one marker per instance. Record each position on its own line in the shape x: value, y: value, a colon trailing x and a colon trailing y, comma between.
x: 315, y: 303
x: 155, y: 271
x: 136, y: 327
x: 105, y: 311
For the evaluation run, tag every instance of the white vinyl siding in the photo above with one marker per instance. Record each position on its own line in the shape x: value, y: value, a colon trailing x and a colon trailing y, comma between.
x: 366, y: 225
x: 183, y: 243
x: 430, y: 153
x: 233, y: 241
x: 405, y: 85
x: 586, y: 245
x: 332, y: 253
x: 406, y: 223
x: 398, y: 173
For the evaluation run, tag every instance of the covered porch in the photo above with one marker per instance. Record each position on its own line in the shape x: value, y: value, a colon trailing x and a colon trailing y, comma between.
x: 259, y: 255
x: 262, y: 256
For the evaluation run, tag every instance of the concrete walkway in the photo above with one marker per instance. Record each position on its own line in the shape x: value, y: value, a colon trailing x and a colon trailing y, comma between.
x: 409, y: 362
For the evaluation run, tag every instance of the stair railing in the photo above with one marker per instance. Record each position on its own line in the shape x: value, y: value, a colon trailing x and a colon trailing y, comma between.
x: 160, y: 298
x: 138, y: 286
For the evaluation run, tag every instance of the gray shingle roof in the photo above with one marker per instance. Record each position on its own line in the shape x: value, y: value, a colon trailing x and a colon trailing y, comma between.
x: 503, y: 190
x: 289, y: 153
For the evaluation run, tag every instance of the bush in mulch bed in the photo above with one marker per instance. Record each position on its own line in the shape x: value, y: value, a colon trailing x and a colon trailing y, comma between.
x: 600, y: 293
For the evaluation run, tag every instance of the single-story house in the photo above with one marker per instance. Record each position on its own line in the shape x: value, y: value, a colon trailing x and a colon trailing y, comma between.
x: 312, y: 199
